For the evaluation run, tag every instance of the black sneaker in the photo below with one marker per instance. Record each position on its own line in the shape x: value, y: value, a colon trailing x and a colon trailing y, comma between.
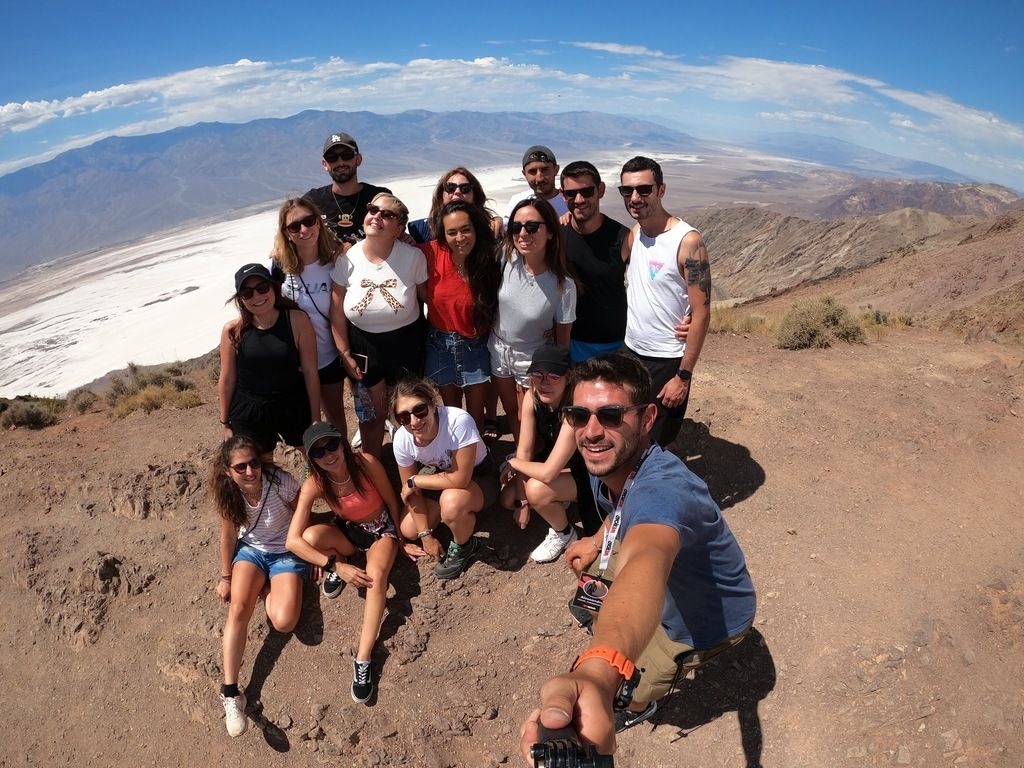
x: 332, y: 586
x: 362, y: 681
x: 458, y: 558
x: 625, y: 719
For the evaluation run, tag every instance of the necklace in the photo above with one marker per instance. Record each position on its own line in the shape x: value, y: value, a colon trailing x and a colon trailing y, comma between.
x: 346, y: 481
x: 345, y: 219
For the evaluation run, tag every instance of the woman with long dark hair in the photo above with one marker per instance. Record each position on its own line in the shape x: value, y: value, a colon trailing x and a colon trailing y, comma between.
x: 462, y: 300
x: 304, y: 254
x: 268, y: 383
x: 457, y: 184
x: 536, y: 301
x: 254, y: 500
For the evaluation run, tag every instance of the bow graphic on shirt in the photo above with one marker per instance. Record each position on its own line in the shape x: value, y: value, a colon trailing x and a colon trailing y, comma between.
x: 371, y: 286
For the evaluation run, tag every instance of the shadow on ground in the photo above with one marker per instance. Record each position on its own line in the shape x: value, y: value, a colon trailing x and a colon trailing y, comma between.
x: 731, y: 473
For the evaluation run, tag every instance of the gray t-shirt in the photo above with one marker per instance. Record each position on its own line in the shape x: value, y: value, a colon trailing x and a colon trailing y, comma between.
x: 529, y: 305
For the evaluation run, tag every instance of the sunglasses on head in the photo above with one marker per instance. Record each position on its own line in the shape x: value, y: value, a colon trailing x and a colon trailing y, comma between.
x: 641, y: 189
x: 587, y: 192
x: 253, y: 463
x: 577, y: 417
x: 465, y: 187
x: 330, y: 445
x: 260, y: 288
x: 306, y: 221
x: 342, y: 154
x: 530, y: 226
x: 419, y: 411
x: 385, y: 214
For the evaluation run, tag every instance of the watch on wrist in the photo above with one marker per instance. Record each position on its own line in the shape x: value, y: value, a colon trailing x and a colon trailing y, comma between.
x: 425, y: 532
x: 625, y: 667
x: 684, y: 374
x: 411, y: 482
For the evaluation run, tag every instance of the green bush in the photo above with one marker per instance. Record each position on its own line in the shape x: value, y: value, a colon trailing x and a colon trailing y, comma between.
x: 33, y: 414
x: 149, y: 391
x: 818, y: 323
x: 81, y: 400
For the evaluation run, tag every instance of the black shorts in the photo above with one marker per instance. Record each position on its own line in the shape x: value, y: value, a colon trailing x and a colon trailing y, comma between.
x: 391, y: 355
x: 365, y: 535
x: 333, y: 372
x: 265, y: 417
x: 669, y: 421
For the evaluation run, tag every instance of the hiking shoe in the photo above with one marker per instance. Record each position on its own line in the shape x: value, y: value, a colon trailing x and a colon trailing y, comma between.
x: 234, y: 714
x: 458, y: 558
x: 626, y: 719
x: 332, y: 586
x: 362, y: 681
x: 553, y: 546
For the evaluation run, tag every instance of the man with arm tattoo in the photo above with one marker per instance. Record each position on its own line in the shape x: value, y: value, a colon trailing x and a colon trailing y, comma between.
x: 669, y: 282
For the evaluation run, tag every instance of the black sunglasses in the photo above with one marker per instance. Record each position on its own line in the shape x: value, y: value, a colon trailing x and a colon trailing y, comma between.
x: 260, y: 288
x: 587, y: 192
x: 254, y: 463
x: 307, y: 221
x: 344, y: 154
x: 385, y: 214
x: 330, y: 445
x: 419, y: 411
x: 465, y: 187
x: 577, y: 417
x: 641, y: 189
x: 530, y: 226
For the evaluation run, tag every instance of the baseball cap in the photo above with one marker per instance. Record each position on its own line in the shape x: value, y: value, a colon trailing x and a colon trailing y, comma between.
x: 340, y: 140
x: 317, y: 431
x: 538, y: 154
x: 550, y: 358
x: 251, y: 270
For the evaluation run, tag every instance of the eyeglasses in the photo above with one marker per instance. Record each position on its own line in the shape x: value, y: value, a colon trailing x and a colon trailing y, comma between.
x: 419, y: 411
x: 260, y: 288
x: 330, y: 445
x: 587, y: 192
x: 465, y: 187
x: 641, y: 189
x: 385, y: 214
x: 254, y: 464
x: 343, y: 154
x: 540, y: 377
x: 308, y: 222
x: 530, y: 226
x: 577, y: 417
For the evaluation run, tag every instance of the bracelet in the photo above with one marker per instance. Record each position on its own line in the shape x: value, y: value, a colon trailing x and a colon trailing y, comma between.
x: 593, y: 542
x: 226, y: 578
x: 425, y: 532
x: 226, y: 423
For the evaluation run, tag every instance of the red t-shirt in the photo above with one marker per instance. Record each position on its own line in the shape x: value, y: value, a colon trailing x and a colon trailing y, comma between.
x: 449, y: 298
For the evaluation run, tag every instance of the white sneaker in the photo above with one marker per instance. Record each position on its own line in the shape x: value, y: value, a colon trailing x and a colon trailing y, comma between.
x: 234, y: 714
x: 357, y: 440
x: 554, y: 544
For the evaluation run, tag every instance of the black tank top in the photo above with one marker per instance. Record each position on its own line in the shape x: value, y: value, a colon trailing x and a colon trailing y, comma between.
x: 268, y: 360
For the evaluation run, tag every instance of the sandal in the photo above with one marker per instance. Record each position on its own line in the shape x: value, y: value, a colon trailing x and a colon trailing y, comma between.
x: 490, y: 431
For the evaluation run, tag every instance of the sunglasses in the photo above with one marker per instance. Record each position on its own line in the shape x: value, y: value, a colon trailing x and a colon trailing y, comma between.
x: 530, y: 226
x: 253, y: 463
x: 330, y: 445
x: 420, y: 412
x: 541, y: 377
x: 577, y: 417
x: 385, y: 214
x: 587, y: 192
x: 308, y: 222
x: 344, y: 154
x: 465, y: 187
x: 641, y: 189
x: 260, y: 288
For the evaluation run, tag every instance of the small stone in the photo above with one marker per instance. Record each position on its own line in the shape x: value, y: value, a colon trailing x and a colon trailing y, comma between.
x: 791, y: 531
x: 772, y: 595
x: 319, y: 711
x: 814, y: 556
x: 969, y: 657
x: 903, y: 755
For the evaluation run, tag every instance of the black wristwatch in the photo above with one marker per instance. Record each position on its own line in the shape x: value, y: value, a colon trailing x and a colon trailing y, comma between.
x: 331, y: 562
x: 411, y: 482
x: 684, y: 374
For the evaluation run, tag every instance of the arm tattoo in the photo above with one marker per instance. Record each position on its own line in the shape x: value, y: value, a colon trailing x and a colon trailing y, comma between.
x: 698, y: 272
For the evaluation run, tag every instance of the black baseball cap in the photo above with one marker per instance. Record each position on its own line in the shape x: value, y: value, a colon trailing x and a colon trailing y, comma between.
x: 550, y: 358
x: 251, y: 270
x: 316, y: 432
x: 340, y: 140
x: 538, y: 154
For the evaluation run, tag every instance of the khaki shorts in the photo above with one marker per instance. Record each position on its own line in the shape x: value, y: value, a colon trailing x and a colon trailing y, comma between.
x: 664, y: 661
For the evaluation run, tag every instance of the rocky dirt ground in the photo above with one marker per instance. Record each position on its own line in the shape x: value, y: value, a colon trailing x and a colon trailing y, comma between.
x: 875, y: 488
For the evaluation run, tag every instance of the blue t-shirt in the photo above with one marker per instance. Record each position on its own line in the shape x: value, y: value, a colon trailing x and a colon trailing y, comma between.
x: 709, y: 596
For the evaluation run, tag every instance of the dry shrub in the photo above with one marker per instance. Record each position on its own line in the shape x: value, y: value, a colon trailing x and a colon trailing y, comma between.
x: 730, y: 320
x: 155, y: 396
x: 31, y: 413
x: 81, y: 400
x: 817, y: 323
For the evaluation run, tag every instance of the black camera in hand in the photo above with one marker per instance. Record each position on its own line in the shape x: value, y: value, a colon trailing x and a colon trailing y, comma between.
x: 561, y: 748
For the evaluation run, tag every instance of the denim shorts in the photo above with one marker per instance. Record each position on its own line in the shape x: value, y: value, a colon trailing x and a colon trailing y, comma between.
x: 271, y: 563
x: 454, y: 359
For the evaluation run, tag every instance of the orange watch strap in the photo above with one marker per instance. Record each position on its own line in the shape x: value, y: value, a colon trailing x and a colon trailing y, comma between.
x: 610, y: 655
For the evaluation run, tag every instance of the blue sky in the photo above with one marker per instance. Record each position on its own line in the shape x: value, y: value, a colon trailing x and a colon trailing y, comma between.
x: 929, y: 81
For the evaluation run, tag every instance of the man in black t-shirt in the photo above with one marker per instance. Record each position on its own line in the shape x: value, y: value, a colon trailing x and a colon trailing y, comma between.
x: 594, y: 247
x: 343, y: 202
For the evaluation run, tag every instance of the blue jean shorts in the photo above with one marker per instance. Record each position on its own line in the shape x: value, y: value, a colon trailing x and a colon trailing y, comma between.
x: 272, y: 563
x: 454, y: 359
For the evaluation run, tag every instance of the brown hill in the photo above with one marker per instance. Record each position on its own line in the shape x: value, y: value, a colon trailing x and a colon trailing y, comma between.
x: 877, y: 196
x: 876, y: 491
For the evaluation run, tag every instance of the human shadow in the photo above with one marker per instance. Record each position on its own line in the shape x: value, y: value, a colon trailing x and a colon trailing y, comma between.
x: 273, y: 646
x: 729, y: 470
x: 405, y: 578
x: 734, y: 681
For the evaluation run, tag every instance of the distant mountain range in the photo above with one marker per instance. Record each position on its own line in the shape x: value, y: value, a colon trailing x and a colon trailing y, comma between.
x: 120, y: 189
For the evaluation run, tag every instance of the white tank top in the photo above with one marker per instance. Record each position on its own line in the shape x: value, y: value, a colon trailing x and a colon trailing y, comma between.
x: 656, y: 292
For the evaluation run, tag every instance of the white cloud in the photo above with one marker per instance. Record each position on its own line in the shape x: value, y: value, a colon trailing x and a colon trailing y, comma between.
x: 623, y: 50
x: 803, y: 115
x: 961, y: 121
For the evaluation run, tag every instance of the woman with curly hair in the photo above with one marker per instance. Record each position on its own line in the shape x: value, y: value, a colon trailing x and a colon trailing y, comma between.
x: 254, y: 500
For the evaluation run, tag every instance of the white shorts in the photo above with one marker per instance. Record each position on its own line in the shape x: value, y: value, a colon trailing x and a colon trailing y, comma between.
x: 508, y: 362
